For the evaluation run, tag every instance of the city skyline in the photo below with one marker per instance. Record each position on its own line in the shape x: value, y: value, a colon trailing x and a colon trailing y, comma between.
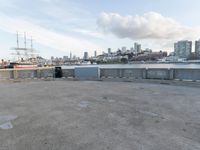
x: 61, y: 27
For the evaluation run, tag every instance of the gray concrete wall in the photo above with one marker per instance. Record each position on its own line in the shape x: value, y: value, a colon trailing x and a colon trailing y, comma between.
x: 68, y: 73
x: 152, y: 73
x: 187, y: 74
x: 24, y: 74
x: 143, y: 73
x: 87, y: 73
x: 157, y: 73
x: 138, y: 73
x: 6, y: 74
x: 133, y: 73
x: 115, y: 73
x: 122, y: 73
x: 45, y: 73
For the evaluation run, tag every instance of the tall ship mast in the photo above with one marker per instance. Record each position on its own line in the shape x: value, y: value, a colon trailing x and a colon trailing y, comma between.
x: 24, y: 54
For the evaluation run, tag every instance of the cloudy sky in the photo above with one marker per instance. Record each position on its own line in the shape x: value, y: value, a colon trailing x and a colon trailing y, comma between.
x: 61, y: 26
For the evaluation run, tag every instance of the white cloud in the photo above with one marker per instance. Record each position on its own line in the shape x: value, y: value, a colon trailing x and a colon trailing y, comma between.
x: 46, y: 37
x: 151, y: 26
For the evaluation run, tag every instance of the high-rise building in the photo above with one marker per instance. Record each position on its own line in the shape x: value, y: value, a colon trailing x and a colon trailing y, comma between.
x: 95, y: 53
x: 85, y: 55
x: 65, y: 58
x: 109, y: 50
x: 137, y: 47
x: 74, y: 57
x: 197, y: 47
x: 183, y: 49
x: 70, y: 55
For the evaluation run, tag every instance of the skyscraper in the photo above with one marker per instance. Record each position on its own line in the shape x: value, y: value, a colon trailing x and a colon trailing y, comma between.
x: 137, y: 47
x: 197, y: 47
x: 109, y: 50
x: 183, y: 49
x: 70, y: 55
x: 85, y: 57
x: 95, y: 53
x: 65, y: 58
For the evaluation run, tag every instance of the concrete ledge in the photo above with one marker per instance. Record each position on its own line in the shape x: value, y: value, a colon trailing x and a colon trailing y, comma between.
x: 6, y: 74
x: 87, y: 73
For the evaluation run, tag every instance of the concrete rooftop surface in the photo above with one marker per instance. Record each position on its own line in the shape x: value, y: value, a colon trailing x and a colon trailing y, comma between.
x: 95, y: 115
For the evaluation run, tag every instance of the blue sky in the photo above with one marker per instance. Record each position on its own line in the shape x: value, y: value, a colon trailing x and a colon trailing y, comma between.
x: 61, y: 26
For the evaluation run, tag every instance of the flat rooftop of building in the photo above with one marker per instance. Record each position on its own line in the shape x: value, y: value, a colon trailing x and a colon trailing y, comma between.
x: 94, y: 115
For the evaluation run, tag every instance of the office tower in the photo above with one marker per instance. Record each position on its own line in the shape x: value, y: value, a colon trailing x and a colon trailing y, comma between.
x: 197, y: 47
x: 85, y: 55
x: 109, y: 50
x: 95, y: 53
x: 65, y: 58
x: 183, y: 49
x: 137, y: 47
x: 70, y: 55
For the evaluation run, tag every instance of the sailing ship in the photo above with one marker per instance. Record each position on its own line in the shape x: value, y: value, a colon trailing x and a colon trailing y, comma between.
x: 24, y: 57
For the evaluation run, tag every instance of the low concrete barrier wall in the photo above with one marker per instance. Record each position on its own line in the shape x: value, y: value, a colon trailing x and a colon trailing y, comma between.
x: 138, y: 73
x: 45, y: 72
x: 158, y: 73
x: 132, y: 73
x: 23, y: 74
x: 6, y: 74
x: 187, y: 74
x: 68, y: 73
x: 87, y: 73
x: 122, y: 73
x: 115, y: 73
x: 152, y: 73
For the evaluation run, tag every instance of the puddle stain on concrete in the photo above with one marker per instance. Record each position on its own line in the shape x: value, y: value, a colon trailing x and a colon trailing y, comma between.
x: 5, y: 122
x: 6, y: 126
x: 83, y: 104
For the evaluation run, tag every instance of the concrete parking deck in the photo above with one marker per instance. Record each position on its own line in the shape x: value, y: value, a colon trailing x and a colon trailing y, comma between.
x: 90, y: 115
